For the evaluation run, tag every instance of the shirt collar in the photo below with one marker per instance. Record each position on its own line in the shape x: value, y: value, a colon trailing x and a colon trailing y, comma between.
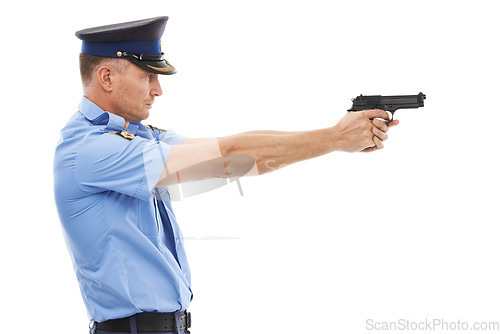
x: 133, y: 127
x: 97, y: 116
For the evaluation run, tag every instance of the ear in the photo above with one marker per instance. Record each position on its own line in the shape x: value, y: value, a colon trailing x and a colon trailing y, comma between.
x: 104, y: 78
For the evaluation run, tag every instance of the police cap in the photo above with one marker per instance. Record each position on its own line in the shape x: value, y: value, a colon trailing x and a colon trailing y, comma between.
x: 137, y: 41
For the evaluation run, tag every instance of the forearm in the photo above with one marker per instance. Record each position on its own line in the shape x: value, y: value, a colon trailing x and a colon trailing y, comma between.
x: 271, y: 149
x: 269, y: 132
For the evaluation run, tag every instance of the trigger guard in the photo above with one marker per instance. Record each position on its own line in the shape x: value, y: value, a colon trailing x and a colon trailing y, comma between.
x: 392, y: 116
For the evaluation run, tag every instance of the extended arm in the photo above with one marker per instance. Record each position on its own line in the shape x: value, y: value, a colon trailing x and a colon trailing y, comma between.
x: 352, y: 133
x: 249, y: 153
x: 278, y: 149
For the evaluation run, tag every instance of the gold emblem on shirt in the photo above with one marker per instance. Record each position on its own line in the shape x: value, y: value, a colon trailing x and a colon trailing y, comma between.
x: 154, y: 128
x: 124, y: 134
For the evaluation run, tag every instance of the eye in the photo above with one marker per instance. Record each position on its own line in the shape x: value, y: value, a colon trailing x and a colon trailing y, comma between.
x: 149, y: 77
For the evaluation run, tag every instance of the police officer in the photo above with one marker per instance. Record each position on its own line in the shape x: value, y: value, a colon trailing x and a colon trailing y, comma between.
x: 112, y: 175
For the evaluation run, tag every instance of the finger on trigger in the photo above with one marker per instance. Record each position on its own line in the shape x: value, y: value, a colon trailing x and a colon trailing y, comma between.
x: 378, y: 113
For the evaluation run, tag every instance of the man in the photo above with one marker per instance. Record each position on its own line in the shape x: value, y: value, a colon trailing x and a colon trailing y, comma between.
x: 114, y: 177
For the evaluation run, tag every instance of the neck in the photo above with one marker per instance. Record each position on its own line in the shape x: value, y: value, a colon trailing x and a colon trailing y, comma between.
x: 103, y: 103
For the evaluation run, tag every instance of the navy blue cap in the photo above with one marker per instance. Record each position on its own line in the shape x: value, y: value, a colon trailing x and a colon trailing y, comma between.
x: 137, y: 41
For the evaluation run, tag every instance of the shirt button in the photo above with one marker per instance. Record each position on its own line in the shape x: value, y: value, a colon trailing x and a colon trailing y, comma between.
x: 177, y: 241
x: 185, y: 275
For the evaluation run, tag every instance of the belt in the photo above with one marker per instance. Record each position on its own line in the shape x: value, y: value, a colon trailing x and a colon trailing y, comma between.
x: 148, y: 322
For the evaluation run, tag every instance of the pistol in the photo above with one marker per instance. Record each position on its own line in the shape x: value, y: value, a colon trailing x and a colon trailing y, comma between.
x: 387, y: 103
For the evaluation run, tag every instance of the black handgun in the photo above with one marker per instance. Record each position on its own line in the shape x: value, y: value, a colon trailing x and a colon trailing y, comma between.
x: 387, y: 103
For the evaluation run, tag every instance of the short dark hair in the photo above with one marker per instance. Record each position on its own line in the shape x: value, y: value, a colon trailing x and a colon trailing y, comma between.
x: 90, y: 63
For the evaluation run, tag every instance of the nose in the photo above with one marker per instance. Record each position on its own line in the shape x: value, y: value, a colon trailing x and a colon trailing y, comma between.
x: 156, y: 87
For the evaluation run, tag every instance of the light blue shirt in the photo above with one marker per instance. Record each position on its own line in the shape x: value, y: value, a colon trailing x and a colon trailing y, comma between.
x: 126, y: 247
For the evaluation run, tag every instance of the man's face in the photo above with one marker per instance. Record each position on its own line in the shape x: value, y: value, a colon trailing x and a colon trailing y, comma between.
x: 134, y: 93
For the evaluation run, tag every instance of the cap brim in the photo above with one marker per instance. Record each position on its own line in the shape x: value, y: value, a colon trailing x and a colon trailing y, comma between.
x: 156, y: 66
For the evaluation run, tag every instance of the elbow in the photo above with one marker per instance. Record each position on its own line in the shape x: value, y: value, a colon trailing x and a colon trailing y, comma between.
x: 238, y: 165
x: 238, y: 157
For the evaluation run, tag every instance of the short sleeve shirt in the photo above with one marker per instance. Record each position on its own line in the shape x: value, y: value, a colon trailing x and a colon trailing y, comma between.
x: 125, y: 244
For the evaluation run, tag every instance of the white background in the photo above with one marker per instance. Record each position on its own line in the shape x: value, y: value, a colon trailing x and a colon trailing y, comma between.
x: 410, y: 232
